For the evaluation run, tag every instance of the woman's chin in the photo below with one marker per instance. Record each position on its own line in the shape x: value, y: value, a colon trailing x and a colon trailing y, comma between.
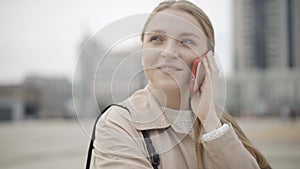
x: 170, y: 86
x: 167, y: 82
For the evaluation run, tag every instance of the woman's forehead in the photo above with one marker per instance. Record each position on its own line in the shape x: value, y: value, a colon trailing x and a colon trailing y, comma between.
x: 175, y: 22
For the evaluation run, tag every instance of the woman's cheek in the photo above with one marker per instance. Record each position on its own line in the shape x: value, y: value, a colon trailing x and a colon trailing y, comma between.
x: 189, y: 60
x: 146, y: 61
x: 149, y: 57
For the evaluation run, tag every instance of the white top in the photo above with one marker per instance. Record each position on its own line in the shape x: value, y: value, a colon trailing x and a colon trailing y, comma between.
x: 182, y: 121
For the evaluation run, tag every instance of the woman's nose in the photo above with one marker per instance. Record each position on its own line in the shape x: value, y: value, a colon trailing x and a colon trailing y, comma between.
x: 170, y: 49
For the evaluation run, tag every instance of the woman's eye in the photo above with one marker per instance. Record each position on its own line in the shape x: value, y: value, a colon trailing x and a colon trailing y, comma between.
x: 187, y: 41
x: 156, y: 38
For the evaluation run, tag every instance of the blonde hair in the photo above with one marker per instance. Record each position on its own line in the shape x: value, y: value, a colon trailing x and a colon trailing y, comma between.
x: 207, y: 27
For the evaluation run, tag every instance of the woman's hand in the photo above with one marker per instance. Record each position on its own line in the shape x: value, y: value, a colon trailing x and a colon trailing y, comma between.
x: 202, y: 102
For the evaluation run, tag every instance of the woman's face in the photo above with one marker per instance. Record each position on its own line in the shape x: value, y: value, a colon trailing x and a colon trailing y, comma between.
x: 173, y: 39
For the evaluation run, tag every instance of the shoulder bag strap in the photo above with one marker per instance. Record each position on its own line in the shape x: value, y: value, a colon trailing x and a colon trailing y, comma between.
x: 154, y: 157
x: 91, y: 146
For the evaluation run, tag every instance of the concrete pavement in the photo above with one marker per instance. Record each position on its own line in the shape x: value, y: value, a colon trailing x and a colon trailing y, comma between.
x: 63, y: 144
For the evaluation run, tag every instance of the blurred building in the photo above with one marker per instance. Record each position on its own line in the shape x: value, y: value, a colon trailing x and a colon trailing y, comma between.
x: 52, y: 99
x: 36, y: 98
x: 266, y: 56
x: 105, y: 75
x: 267, y: 34
x: 11, y: 102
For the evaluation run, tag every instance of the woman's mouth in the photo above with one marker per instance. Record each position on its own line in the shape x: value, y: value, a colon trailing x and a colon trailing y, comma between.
x: 169, y: 69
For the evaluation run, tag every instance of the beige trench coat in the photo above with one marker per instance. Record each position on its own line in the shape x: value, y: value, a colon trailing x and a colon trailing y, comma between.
x: 119, y: 142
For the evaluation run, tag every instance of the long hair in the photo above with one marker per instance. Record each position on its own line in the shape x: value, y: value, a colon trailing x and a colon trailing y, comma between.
x: 207, y: 27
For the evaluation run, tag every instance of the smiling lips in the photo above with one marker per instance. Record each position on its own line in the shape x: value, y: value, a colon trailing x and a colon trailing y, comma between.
x: 168, y: 69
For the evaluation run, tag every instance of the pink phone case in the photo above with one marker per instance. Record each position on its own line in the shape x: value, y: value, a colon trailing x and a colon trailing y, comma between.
x: 197, y: 74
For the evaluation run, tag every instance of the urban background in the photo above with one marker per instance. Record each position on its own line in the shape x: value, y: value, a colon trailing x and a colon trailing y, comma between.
x: 41, y: 117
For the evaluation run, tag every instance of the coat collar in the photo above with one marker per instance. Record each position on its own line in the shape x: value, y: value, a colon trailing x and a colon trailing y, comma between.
x: 146, y: 113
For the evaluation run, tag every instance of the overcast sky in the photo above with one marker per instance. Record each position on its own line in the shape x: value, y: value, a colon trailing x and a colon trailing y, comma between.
x: 43, y: 37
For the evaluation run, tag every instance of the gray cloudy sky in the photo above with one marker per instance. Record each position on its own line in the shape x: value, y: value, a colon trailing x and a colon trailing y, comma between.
x: 42, y: 37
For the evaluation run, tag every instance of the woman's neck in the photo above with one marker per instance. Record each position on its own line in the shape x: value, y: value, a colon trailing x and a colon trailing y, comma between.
x: 173, y: 99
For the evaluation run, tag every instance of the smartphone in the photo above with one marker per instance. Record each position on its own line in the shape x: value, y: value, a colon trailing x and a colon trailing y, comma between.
x: 197, y: 75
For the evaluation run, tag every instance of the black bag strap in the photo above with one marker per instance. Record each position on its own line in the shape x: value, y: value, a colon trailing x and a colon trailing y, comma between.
x: 154, y: 157
x: 91, y: 146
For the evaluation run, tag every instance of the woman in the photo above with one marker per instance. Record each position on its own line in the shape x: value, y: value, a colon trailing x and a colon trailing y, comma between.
x: 186, y: 129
